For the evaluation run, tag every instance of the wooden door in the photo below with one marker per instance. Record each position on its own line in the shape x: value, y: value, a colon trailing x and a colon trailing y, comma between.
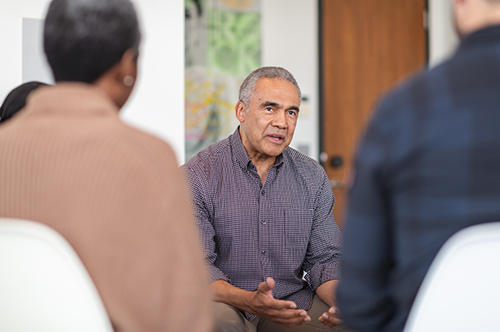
x: 367, y: 47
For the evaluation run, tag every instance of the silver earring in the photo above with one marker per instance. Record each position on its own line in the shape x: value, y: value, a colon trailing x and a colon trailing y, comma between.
x: 128, y: 80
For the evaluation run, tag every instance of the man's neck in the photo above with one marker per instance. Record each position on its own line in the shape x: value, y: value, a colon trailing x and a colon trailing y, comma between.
x: 478, y: 16
x: 263, y: 166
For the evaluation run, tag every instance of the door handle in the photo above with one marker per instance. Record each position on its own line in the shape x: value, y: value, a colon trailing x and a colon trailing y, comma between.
x: 337, y: 184
x: 335, y: 162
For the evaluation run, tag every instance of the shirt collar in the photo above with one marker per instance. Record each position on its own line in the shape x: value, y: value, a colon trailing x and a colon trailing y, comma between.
x: 241, y: 155
x: 480, y: 37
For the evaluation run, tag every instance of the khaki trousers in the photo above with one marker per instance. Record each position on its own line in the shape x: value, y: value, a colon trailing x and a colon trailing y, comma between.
x: 230, y: 319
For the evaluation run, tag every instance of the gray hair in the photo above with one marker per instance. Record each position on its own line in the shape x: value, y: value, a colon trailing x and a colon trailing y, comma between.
x: 247, y: 89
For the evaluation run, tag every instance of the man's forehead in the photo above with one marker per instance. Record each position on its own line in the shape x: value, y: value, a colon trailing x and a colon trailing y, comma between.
x: 278, y: 81
x: 276, y: 87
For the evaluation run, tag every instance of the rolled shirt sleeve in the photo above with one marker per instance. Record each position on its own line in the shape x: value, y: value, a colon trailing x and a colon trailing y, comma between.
x: 325, y: 244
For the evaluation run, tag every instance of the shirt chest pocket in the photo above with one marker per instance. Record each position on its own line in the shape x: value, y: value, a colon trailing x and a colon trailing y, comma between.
x: 298, y: 223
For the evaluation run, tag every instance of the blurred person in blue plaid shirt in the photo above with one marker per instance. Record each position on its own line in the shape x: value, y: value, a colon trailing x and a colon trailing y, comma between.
x: 429, y: 166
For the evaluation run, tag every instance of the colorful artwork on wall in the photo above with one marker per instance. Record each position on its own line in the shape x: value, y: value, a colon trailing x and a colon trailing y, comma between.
x: 223, y: 45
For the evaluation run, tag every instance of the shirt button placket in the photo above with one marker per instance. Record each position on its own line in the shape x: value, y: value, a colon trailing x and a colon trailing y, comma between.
x: 264, y: 233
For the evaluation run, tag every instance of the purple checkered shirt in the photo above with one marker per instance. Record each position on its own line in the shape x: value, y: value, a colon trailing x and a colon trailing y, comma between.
x: 252, y: 231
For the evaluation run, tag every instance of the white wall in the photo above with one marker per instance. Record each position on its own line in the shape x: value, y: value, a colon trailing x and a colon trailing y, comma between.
x: 11, y: 14
x: 442, y: 37
x: 290, y: 40
x: 157, y: 103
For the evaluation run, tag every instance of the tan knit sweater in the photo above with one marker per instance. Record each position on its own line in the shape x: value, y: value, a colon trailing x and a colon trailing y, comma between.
x: 117, y: 195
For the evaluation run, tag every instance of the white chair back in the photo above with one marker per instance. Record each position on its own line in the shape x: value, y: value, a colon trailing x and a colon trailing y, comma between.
x: 461, y: 291
x: 44, y: 286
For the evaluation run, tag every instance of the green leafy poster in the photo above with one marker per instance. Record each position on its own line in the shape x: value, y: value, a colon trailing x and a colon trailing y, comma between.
x: 223, y: 45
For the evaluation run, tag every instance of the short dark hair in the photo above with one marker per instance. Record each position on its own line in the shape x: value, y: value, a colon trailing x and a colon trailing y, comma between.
x: 247, y: 88
x: 85, y: 38
x: 16, y: 99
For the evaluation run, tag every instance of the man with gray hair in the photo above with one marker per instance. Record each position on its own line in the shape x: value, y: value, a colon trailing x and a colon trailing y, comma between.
x: 265, y: 212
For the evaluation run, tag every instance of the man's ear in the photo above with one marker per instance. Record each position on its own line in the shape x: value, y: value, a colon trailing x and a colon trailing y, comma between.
x: 241, y: 111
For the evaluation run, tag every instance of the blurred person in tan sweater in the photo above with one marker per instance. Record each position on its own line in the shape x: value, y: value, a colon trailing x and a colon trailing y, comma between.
x: 114, y: 192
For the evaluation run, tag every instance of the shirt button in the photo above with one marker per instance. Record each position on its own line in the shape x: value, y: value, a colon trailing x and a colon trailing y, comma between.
x: 263, y: 252
x: 263, y: 222
x: 263, y: 192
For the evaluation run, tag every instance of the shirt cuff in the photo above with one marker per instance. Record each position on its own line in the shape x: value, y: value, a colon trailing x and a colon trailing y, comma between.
x: 320, y: 274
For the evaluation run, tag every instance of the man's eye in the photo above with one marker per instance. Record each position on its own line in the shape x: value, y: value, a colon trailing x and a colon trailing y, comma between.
x: 293, y: 113
x: 269, y: 109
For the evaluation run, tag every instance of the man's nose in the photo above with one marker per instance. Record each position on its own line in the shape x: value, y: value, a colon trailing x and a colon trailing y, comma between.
x: 280, y: 120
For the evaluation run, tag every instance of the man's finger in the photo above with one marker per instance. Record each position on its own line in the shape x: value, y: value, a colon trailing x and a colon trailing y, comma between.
x: 282, y: 305
x: 290, y: 318
x: 270, y: 282
x: 330, y: 320
x: 266, y: 285
x: 333, y: 311
x: 287, y: 313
